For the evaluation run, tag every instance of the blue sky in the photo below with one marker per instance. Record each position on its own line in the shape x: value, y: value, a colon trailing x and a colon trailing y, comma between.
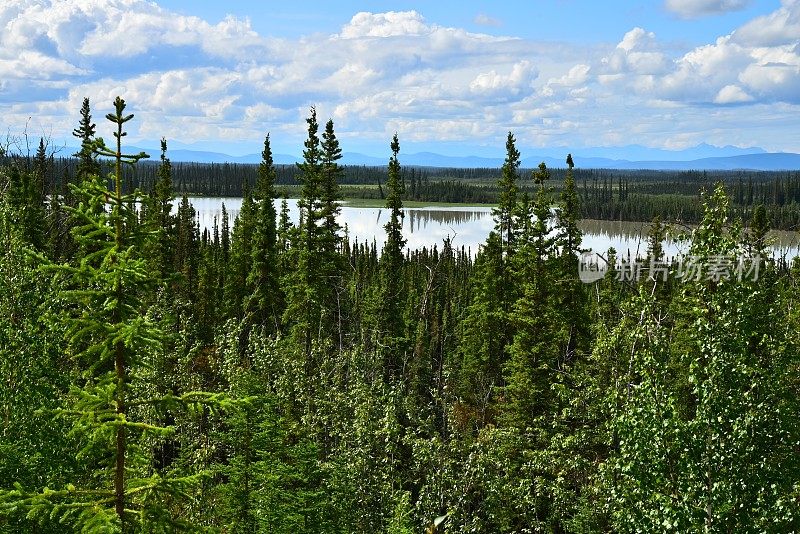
x: 453, y: 78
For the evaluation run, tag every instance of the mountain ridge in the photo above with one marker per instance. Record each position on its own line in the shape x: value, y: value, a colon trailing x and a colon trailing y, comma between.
x: 759, y: 160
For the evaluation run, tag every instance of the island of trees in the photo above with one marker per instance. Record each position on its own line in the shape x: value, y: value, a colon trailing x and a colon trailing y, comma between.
x: 271, y: 376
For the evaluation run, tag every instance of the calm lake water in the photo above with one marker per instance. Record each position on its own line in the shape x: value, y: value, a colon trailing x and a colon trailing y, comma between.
x: 467, y: 226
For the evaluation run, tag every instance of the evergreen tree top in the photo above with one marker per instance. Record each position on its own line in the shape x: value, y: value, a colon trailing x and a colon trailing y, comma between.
x: 86, y: 128
x: 266, y: 154
x: 311, y: 153
x: 512, y: 154
x: 266, y: 173
x: 330, y: 145
x: 541, y: 175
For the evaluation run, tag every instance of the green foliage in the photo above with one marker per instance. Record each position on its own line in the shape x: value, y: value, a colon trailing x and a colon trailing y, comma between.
x: 240, y: 260
x: 264, y: 304
x: 25, y: 202
x: 87, y: 155
x: 711, y: 446
x: 280, y: 378
x: 107, y: 333
x: 507, y: 197
x: 391, y: 325
x: 157, y: 214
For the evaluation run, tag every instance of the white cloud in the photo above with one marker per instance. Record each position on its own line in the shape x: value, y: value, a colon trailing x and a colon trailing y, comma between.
x: 32, y: 64
x: 383, y: 72
x: 517, y: 82
x: 780, y: 27
x: 730, y: 70
x: 635, y: 38
x: 577, y: 75
x: 391, y: 24
x: 118, y: 28
x: 637, y: 52
x: 351, y: 76
x: 262, y: 112
x: 732, y: 94
x: 698, y: 8
x: 774, y: 81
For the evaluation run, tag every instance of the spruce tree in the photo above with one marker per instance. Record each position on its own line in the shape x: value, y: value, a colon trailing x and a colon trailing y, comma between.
x: 27, y: 206
x: 87, y: 155
x: 569, y: 236
x: 391, y: 323
x: 538, y: 337
x: 285, y: 228
x: 158, y: 215
x: 569, y: 213
x: 305, y: 290
x: 264, y: 305
x: 187, y: 246
x: 331, y: 175
x: 487, y: 327
x: 110, y: 334
x: 507, y: 197
x: 42, y: 170
x: 240, y: 258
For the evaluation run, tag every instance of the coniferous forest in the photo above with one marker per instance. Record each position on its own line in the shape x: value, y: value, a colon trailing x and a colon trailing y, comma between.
x: 271, y: 376
x: 615, y: 195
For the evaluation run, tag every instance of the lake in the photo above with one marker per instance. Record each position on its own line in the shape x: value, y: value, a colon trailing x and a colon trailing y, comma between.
x: 467, y: 226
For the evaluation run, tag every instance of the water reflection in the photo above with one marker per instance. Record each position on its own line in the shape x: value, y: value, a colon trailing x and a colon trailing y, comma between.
x: 469, y: 226
x: 419, y: 218
x: 630, y: 238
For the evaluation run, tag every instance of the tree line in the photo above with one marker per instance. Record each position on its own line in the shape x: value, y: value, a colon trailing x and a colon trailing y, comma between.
x: 624, y: 195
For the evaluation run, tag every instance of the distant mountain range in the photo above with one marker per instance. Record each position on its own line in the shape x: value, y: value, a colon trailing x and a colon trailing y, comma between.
x: 701, y: 157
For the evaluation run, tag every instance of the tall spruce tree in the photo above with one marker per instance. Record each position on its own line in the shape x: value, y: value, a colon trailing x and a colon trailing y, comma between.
x: 534, y: 361
x: 487, y: 330
x: 572, y: 305
x: 330, y: 259
x: 569, y: 214
x: 330, y: 195
x: 507, y: 207
x: 158, y: 215
x: 264, y: 305
x: 306, y: 287
x: 391, y: 323
x: 27, y: 207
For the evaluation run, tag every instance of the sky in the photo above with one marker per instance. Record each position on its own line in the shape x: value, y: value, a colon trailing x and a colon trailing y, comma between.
x: 448, y: 77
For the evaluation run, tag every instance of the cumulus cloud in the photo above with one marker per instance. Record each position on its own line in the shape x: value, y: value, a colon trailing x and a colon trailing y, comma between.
x: 385, y: 25
x: 780, y: 27
x: 80, y: 29
x: 637, y: 52
x: 517, y: 82
x: 759, y: 62
x: 572, y: 81
x: 235, y: 78
x: 698, y: 8
x: 188, y: 78
x: 32, y: 64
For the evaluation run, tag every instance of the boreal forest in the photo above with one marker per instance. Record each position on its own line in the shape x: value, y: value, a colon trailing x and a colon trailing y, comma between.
x: 269, y: 375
